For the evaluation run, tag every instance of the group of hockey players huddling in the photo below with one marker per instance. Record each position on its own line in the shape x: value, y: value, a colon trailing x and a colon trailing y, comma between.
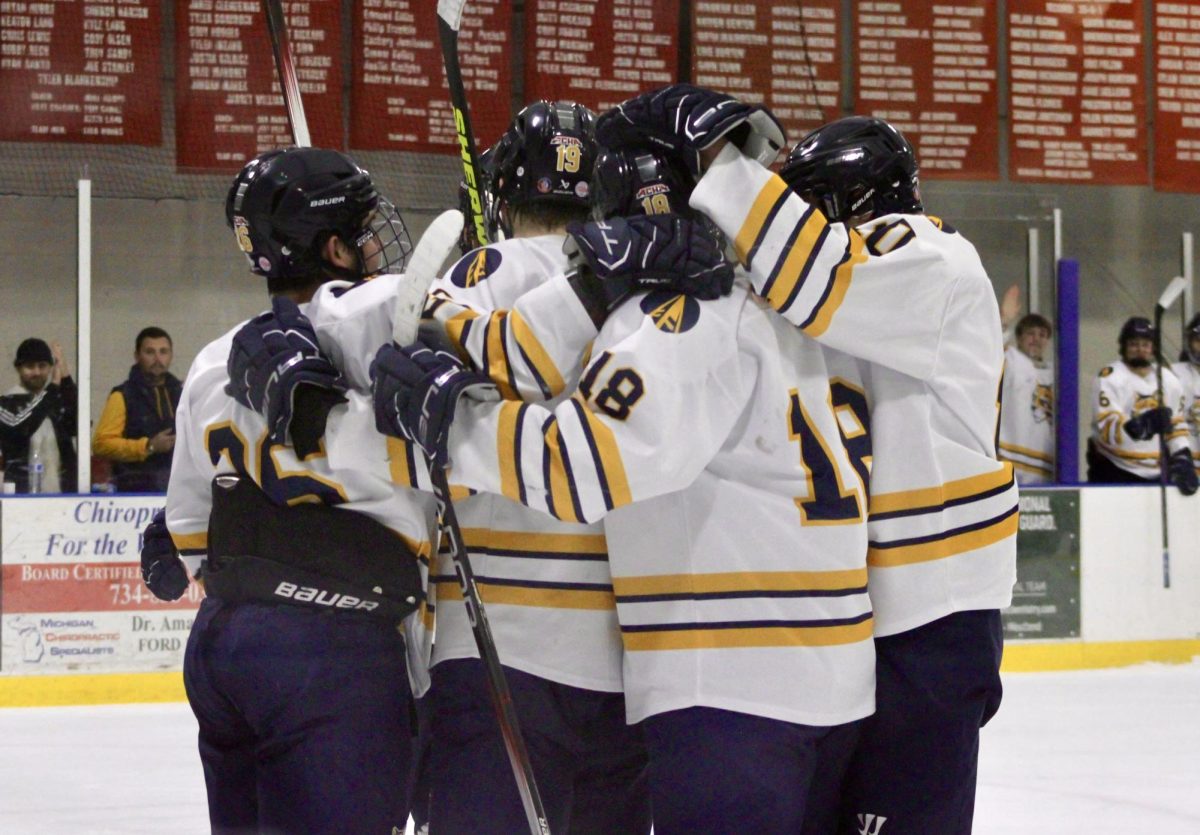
x: 722, y: 448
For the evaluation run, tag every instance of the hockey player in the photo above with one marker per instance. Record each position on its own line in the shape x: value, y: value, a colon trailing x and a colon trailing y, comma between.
x: 712, y: 441
x: 295, y: 668
x: 1188, y: 372
x: 839, y: 244
x: 1027, y: 403
x: 1127, y: 417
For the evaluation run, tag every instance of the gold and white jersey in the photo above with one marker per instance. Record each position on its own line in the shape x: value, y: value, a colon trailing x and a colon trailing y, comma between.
x: 713, y: 442
x: 1189, y: 377
x: 216, y: 435
x: 1027, y: 417
x: 909, y: 295
x: 545, y: 582
x: 1118, y: 394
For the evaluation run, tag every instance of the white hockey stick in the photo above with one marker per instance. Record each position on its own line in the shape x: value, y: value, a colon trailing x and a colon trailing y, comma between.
x: 1169, y: 296
x: 423, y: 268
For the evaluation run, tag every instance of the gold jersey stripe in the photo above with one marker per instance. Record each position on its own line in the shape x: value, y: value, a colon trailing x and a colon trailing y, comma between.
x: 934, y: 497
x: 567, y: 543
x: 740, y: 581
x: 449, y: 591
x: 841, y: 284
x: 1030, y: 468
x: 1128, y: 456
x: 560, y: 481
x: 498, y: 366
x: 1028, y: 453
x: 190, y: 541
x: 758, y: 215
x: 536, y: 353
x: 792, y: 271
x: 398, y: 468
x: 762, y: 636
x: 507, y: 451
x: 949, y: 546
x: 610, y: 457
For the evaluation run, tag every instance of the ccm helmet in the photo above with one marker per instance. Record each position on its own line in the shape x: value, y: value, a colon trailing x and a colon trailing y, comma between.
x: 545, y: 157
x: 638, y: 182
x: 855, y: 169
x: 286, y: 204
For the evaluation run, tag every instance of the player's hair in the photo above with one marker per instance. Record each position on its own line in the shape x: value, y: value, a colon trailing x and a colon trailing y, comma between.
x: 151, y: 332
x: 1034, y: 320
x: 855, y: 169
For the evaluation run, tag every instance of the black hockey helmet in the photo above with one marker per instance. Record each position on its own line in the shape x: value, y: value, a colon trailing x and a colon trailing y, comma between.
x: 1191, y: 331
x: 638, y: 181
x: 284, y: 205
x: 546, y: 156
x: 855, y: 169
x: 1136, y: 327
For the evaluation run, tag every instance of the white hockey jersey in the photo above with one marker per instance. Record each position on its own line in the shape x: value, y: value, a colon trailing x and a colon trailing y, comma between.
x: 1120, y: 393
x: 546, y: 583
x: 214, y: 434
x: 1189, y: 377
x: 909, y: 295
x: 1027, y: 417
x: 712, y: 441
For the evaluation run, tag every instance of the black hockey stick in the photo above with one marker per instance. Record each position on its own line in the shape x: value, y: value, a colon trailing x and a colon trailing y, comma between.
x: 449, y: 19
x: 1168, y: 297
x: 288, y: 82
x: 443, y: 233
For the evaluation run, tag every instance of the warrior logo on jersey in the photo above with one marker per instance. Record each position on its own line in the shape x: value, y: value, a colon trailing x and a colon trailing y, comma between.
x: 671, y: 313
x: 475, y: 267
x: 1043, y: 403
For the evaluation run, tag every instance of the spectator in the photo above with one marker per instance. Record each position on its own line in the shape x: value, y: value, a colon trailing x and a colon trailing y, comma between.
x: 1027, y: 402
x: 1127, y: 417
x: 1188, y: 372
x: 136, y: 430
x: 38, y: 420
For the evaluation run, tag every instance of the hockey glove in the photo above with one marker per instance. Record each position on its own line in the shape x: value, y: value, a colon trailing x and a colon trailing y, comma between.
x: 416, y: 390
x: 636, y: 254
x: 162, y: 570
x: 1182, y: 472
x: 274, y: 356
x: 684, y: 120
x: 1144, y: 426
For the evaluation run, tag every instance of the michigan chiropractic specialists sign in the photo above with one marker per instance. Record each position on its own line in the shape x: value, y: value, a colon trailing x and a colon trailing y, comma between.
x: 71, y: 590
x: 1046, y: 595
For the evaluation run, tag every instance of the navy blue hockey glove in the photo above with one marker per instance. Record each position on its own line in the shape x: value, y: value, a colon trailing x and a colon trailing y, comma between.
x: 648, y: 252
x: 1149, y: 423
x: 162, y: 570
x: 416, y: 391
x: 275, y: 368
x: 1182, y: 472
x: 683, y: 120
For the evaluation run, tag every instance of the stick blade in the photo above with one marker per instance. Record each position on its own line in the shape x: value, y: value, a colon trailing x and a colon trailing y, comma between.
x: 451, y: 12
x: 1174, y: 291
x: 435, y: 246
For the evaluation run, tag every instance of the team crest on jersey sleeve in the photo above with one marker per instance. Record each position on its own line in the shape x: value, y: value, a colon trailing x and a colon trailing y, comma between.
x: 475, y: 267
x: 671, y: 312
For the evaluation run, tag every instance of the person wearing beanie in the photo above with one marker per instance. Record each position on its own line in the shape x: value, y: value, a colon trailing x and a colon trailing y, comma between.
x: 39, y: 415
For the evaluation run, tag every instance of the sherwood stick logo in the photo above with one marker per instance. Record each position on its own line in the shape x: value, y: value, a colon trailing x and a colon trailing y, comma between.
x: 460, y: 126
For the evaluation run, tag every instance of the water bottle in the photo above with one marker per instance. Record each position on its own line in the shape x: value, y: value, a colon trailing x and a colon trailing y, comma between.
x: 37, y: 469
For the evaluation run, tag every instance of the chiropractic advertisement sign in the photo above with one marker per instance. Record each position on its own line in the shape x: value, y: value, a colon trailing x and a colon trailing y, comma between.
x: 71, y: 591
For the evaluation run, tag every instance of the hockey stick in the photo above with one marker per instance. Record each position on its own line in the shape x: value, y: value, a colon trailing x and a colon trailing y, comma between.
x: 441, y: 237
x: 288, y: 82
x: 1168, y: 298
x: 449, y: 19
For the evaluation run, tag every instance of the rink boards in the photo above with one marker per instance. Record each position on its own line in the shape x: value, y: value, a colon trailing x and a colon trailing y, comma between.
x: 77, y: 626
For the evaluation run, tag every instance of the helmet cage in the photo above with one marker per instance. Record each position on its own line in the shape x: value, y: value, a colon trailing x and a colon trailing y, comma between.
x: 383, y: 244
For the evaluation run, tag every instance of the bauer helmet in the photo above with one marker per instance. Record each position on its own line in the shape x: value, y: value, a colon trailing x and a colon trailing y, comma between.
x: 1191, y: 334
x: 286, y: 204
x: 855, y: 169
x: 638, y: 182
x: 544, y: 158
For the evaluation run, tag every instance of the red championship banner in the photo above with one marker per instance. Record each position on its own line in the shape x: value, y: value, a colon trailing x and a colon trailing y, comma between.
x: 1177, y: 80
x: 930, y: 69
x: 787, y: 56
x: 227, y: 101
x: 1078, y: 97
x: 599, y: 53
x: 399, y: 97
x: 83, y: 71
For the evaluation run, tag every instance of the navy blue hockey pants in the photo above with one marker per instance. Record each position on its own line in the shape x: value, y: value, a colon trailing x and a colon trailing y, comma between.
x: 589, y: 765
x: 913, y: 772
x: 304, y: 719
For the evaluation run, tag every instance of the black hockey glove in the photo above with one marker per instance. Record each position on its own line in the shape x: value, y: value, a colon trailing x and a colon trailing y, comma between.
x: 162, y: 570
x: 1182, y: 472
x: 1144, y: 426
x: 683, y: 120
x: 276, y: 368
x: 625, y: 255
x: 416, y: 391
